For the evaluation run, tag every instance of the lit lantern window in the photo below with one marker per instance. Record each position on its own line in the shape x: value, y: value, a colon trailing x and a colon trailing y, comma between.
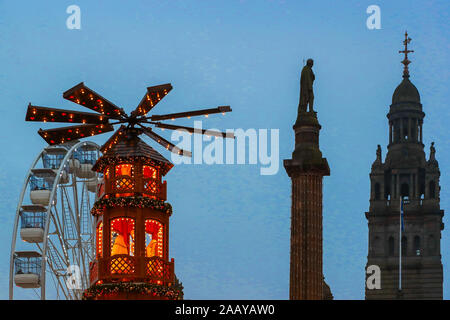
x: 149, y: 172
x: 124, y: 182
x: 100, y: 240
x: 153, y: 238
x: 124, y: 170
x: 122, y: 236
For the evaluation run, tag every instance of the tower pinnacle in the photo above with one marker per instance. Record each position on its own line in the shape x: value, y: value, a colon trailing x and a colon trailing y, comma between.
x: 406, y: 61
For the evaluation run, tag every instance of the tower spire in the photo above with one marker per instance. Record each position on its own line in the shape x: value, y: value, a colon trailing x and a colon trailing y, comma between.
x: 406, y: 61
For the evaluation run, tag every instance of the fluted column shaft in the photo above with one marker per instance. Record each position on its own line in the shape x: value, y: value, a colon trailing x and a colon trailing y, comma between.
x: 306, y: 238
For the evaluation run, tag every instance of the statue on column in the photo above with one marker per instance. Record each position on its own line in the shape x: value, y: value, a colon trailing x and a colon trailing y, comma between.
x: 306, y: 88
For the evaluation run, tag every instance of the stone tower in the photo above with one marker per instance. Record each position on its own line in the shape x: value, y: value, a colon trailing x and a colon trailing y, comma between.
x: 408, y: 174
x: 306, y: 170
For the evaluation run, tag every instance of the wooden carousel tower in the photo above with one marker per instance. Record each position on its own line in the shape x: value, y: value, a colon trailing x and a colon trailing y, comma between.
x: 132, y: 225
x: 131, y: 214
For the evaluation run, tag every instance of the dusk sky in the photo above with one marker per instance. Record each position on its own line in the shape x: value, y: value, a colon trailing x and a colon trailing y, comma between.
x: 229, y: 233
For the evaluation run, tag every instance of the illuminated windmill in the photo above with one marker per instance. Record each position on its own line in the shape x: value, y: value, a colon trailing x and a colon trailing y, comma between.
x: 131, y: 216
x: 93, y: 124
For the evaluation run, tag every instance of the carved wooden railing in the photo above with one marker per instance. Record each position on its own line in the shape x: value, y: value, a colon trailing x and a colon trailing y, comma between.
x: 93, y: 272
x: 149, y: 187
x: 159, y: 269
x: 122, y: 266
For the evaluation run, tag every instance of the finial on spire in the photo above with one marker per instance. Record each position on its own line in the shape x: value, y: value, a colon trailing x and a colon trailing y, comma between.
x: 406, y: 51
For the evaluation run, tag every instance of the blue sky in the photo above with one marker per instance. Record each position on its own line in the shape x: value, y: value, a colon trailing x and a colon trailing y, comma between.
x: 230, y: 227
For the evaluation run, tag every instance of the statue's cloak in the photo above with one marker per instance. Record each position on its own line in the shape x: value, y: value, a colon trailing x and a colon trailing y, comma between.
x: 306, y: 85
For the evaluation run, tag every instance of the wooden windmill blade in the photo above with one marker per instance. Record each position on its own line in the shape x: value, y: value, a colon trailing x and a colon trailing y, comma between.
x: 65, y: 134
x: 188, y: 114
x: 166, y: 144
x: 212, y: 133
x: 94, y: 124
x: 88, y: 98
x: 45, y: 114
x: 113, y: 139
x: 151, y: 98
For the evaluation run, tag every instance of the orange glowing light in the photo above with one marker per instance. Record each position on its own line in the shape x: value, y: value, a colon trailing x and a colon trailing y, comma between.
x: 124, y: 170
x: 149, y: 172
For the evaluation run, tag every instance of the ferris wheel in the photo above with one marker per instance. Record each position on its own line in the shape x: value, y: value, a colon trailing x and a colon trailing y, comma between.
x: 55, y: 224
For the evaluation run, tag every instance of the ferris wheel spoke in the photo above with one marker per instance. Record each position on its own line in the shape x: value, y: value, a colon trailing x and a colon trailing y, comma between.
x: 37, y: 294
x: 81, y: 218
x: 57, y: 283
x: 59, y: 236
x: 85, y: 214
x: 39, y: 248
x: 59, y: 229
x: 59, y: 267
x: 76, y: 219
x: 56, y: 275
x: 57, y: 260
x: 68, y: 218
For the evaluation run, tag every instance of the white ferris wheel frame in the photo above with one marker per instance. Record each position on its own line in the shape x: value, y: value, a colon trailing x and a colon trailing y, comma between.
x: 50, y: 211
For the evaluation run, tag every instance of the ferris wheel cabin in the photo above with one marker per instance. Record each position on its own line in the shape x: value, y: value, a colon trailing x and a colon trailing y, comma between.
x: 32, y: 222
x: 41, y: 184
x: 52, y: 159
x: 86, y: 156
x: 27, y: 269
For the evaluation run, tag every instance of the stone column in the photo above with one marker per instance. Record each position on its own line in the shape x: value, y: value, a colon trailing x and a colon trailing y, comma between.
x: 306, y: 170
x: 421, y: 132
x: 390, y: 133
x: 409, y: 129
x: 401, y: 130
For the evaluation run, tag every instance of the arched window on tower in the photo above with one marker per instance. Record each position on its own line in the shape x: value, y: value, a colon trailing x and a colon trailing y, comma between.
x: 404, y: 246
x: 413, y: 129
x: 405, y: 129
x: 391, y: 246
x: 431, y: 244
x: 404, y: 190
x: 417, y: 245
x: 122, y: 236
x: 154, y: 238
x: 422, y: 190
x: 396, y: 131
x: 150, y: 181
x: 376, y: 246
x: 377, y: 191
x: 432, y: 189
x: 124, y: 179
